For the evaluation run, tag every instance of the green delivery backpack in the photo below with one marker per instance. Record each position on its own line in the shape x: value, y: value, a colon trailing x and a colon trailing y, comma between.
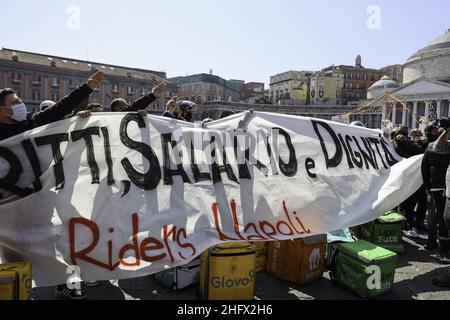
x: 386, y: 231
x: 363, y: 267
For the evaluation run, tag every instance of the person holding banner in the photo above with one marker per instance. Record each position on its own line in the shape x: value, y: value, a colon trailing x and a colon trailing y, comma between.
x: 13, y: 112
x: 121, y: 105
x: 13, y: 121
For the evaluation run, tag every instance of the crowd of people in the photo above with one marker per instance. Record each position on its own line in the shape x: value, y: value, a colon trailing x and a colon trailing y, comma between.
x: 427, y: 210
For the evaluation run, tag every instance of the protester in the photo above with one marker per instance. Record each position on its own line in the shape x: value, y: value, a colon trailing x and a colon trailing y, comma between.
x: 172, y: 108
x: 186, y: 109
x: 434, y: 167
x: 13, y: 112
x: 444, y: 281
x: 13, y: 121
x: 121, y: 105
x: 95, y: 107
x: 407, y: 148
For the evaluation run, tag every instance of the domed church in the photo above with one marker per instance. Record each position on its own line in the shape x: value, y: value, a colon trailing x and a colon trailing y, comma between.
x: 432, y: 62
x: 425, y: 90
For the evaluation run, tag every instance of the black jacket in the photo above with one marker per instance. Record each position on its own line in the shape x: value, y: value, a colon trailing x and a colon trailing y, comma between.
x: 434, y: 169
x: 62, y: 108
x: 408, y: 149
x: 140, y: 104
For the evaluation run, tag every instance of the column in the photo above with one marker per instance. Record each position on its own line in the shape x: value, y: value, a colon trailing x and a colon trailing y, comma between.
x: 383, y: 112
x: 414, y: 119
x: 427, y: 111
x: 404, y: 116
x: 394, y: 113
x: 438, y: 109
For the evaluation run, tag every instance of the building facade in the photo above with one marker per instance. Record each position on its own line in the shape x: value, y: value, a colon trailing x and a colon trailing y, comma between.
x: 201, y: 88
x: 38, y: 77
x: 357, y: 79
x: 251, y: 90
x: 394, y: 72
x: 290, y: 88
x: 326, y: 88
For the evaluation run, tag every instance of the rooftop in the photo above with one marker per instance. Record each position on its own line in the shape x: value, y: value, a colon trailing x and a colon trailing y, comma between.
x: 79, y: 65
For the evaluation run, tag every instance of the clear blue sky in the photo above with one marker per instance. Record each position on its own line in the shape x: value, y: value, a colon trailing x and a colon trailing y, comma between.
x: 238, y: 39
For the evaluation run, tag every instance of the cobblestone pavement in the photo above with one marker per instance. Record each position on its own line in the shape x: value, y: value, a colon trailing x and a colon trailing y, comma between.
x: 414, y: 273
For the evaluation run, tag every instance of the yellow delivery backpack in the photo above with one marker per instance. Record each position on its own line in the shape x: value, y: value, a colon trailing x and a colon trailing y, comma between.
x: 227, y: 272
x: 15, y: 281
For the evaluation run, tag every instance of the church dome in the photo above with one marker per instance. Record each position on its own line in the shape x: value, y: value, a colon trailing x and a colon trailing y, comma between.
x: 380, y: 87
x: 433, y: 61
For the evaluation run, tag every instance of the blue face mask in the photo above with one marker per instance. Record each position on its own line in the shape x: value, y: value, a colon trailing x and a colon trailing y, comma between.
x: 19, y: 112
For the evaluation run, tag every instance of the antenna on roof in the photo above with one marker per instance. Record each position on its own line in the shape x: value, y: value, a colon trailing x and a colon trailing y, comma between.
x: 87, y: 54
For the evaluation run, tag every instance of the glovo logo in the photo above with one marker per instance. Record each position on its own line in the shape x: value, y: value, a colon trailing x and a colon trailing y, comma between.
x: 223, y: 282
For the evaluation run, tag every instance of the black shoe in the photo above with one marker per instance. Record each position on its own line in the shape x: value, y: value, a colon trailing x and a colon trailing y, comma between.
x: 72, y: 294
x: 430, y: 246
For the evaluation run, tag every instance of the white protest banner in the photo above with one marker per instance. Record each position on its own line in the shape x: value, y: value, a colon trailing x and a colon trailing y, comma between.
x: 121, y: 196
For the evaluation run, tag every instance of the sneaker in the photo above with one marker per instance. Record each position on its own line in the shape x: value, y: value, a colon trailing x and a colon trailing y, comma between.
x: 430, y: 246
x: 72, y: 294
x: 92, y: 283
x: 441, y: 257
x: 413, y: 233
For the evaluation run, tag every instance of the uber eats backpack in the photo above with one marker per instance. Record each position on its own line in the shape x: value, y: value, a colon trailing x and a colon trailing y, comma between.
x: 386, y: 231
x: 363, y: 267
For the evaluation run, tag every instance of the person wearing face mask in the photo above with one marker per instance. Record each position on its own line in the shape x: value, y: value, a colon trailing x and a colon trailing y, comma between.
x: 186, y: 108
x: 13, y: 112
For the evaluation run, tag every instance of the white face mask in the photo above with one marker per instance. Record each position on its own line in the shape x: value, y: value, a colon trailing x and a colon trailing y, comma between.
x: 19, y: 112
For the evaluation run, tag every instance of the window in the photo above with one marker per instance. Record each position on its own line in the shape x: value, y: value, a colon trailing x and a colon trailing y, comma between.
x: 321, y: 83
x: 36, y: 79
x: 55, y: 83
x: 55, y: 97
x: 130, y: 90
x: 72, y: 84
x: 143, y: 92
x: 15, y: 77
x: 36, y: 96
x: 193, y: 98
x: 365, y: 77
x: 115, y: 88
